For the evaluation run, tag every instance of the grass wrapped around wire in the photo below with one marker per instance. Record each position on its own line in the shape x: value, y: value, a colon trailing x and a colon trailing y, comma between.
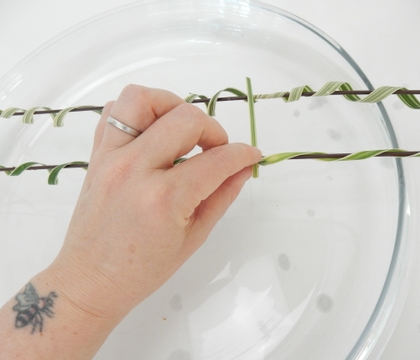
x: 295, y: 94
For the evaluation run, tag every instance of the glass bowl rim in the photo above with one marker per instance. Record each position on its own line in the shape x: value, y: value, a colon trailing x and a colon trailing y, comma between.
x: 388, y: 297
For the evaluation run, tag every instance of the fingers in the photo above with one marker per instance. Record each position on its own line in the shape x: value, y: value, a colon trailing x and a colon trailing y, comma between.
x: 137, y: 107
x: 200, y: 176
x: 100, y: 128
x: 177, y: 133
x: 171, y: 128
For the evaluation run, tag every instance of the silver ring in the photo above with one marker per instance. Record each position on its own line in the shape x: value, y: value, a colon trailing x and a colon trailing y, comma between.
x: 123, y: 127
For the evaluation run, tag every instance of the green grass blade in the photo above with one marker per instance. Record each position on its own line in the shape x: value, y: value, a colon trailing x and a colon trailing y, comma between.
x: 53, y: 177
x: 251, y: 101
x: 211, y: 108
x: 21, y: 168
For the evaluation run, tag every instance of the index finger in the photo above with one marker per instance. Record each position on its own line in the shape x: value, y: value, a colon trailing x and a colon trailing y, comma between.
x: 177, y: 133
x: 201, y: 175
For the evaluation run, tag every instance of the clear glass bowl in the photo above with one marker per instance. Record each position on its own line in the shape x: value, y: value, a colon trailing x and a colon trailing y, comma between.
x: 305, y: 265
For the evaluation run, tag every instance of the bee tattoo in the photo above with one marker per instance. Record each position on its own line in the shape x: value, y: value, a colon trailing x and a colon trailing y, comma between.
x: 31, y: 308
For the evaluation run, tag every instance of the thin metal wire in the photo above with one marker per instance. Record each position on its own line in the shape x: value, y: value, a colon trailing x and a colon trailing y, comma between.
x: 399, y: 154
x: 230, y: 98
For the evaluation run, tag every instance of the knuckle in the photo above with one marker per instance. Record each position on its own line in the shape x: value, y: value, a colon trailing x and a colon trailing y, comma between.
x: 209, y: 131
x: 108, y: 106
x: 222, y: 157
x: 134, y: 92
x: 189, y: 111
x: 107, y: 109
x: 191, y: 118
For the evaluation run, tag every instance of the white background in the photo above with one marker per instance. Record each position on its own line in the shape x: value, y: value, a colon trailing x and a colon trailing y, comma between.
x: 383, y: 37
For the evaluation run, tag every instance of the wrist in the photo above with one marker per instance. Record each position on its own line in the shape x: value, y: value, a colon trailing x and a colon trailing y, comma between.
x: 85, y: 293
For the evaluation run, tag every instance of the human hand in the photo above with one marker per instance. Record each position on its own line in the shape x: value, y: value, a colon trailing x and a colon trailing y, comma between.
x: 139, y: 217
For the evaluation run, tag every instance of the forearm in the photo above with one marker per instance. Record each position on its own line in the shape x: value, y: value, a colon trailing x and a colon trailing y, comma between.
x: 59, y: 325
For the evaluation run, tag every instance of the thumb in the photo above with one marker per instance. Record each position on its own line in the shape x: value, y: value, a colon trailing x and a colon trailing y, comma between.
x: 211, y: 210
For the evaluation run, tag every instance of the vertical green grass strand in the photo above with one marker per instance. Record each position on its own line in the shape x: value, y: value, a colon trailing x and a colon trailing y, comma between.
x: 251, y: 102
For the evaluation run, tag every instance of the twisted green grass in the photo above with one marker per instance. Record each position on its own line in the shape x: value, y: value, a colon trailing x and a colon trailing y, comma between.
x: 53, y: 173
x: 28, y: 115
x: 295, y: 94
x: 359, y: 155
x: 266, y: 160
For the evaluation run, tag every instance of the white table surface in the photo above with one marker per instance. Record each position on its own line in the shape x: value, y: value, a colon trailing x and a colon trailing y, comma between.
x: 381, y: 35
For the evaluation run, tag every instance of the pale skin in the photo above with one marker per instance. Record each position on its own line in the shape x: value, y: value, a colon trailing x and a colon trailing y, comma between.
x: 137, y: 220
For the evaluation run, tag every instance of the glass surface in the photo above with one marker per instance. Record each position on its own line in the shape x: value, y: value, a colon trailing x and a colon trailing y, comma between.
x: 303, y: 264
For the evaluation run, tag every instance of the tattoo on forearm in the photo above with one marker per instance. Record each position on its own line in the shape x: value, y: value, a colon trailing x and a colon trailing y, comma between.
x: 31, y: 308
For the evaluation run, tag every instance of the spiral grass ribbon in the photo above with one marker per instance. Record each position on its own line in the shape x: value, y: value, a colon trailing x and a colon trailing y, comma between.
x: 330, y: 88
x: 56, y: 115
x: 54, y: 170
x: 322, y: 156
x: 295, y: 94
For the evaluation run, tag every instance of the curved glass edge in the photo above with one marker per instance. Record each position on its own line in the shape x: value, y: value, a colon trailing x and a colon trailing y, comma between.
x: 390, y: 299
x: 65, y: 33
x: 386, y: 304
